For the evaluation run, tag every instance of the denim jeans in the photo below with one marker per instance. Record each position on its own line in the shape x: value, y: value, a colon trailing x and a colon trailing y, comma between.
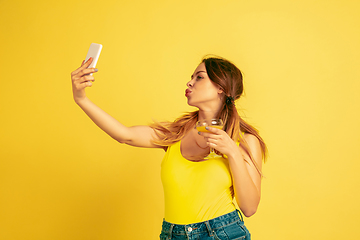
x: 226, y: 227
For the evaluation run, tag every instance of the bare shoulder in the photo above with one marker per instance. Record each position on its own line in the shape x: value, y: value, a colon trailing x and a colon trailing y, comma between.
x: 254, y: 147
x: 254, y: 165
x: 252, y: 141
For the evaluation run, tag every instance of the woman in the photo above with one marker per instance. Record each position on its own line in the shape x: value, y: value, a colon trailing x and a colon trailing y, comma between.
x: 198, y: 193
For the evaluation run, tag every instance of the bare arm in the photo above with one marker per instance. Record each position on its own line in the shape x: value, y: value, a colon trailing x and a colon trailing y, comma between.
x: 139, y: 136
x: 246, y: 179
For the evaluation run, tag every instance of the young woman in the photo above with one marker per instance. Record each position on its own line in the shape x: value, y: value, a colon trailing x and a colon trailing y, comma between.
x: 198, y: 193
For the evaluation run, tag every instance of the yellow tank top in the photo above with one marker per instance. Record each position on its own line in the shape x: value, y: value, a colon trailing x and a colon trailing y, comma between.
x: 195, y: 191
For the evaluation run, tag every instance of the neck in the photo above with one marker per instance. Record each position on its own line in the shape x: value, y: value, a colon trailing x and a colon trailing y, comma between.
x: 209, y: 110
x: 206, y: 114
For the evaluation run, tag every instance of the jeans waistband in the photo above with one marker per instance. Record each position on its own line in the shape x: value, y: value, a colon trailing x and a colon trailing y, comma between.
x: 206, y: 226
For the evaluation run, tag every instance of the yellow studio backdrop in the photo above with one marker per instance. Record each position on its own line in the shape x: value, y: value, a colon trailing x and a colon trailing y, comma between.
x: 62, y: 178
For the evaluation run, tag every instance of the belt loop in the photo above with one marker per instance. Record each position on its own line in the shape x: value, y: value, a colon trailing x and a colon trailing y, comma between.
x: 209, y: 228
x: 170, y: 230
x: 241, y: 217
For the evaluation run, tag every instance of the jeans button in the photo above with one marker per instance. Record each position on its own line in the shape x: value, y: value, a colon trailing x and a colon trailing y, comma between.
x: 189, y: 229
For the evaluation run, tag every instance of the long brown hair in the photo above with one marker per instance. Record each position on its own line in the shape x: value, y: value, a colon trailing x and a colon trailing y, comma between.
x: 229, y: 78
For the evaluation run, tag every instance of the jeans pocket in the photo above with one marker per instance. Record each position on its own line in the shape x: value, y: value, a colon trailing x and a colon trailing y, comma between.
x: 232, y: 231
x: 248, y: 235
x: 218, y: 236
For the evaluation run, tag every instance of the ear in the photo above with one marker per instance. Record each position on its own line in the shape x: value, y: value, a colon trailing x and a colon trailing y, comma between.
x: 220, y: 91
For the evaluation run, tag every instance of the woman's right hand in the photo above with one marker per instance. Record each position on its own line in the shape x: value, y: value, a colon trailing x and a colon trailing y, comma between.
x: 81, y: 79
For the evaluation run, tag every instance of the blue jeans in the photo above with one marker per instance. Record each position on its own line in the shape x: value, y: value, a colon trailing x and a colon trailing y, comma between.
x: 225, y: 227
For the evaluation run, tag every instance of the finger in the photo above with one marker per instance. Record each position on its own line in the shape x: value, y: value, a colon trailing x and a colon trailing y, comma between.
x: 84, y: 79
x: 212, y: 141
x: 77, y: 70
x: 81, y: 86
x: 214, y: 130
x: 86, y: 84
x: 87, y: 71
x: 88, y: 78
x: 212, y: 145
x: 88, y: 62
x: 80, y: 80
x: 207, y: 135
x: 83, y: 66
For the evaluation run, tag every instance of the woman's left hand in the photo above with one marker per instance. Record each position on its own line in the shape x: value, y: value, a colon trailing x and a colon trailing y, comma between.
x: 220, y: 140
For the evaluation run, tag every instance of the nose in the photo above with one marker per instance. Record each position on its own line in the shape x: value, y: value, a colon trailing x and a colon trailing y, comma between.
x: 190, y: 83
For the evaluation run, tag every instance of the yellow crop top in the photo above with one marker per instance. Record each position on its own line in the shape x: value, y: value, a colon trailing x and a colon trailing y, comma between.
x: 195, y: 191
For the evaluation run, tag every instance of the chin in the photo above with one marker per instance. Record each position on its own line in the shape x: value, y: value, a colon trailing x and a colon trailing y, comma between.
x: 190, y: 103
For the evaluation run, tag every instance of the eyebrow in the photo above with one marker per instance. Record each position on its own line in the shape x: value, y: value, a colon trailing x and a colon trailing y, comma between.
x: 197, y: 73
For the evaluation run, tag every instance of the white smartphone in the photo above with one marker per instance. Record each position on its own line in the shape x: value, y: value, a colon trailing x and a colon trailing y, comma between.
x: 94, y: 52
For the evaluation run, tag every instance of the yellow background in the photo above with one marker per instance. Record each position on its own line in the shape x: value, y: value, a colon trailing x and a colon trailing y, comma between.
x: 63, y: 178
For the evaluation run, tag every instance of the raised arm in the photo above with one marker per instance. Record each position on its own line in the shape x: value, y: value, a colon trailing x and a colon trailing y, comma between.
x: 139, y: 136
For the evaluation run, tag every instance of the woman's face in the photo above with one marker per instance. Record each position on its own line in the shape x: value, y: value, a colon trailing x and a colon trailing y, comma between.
x: 201, y: 91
